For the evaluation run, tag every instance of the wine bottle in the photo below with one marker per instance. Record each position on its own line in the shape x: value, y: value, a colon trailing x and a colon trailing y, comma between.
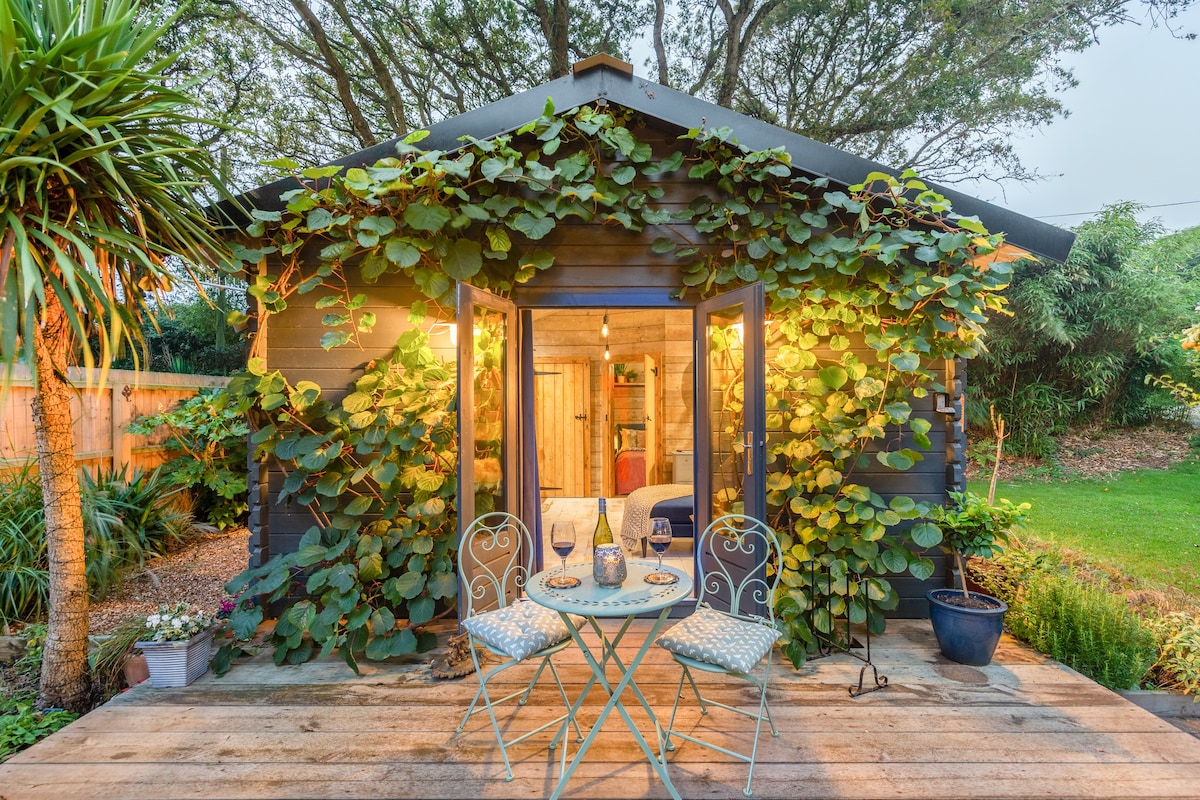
x: 603, y: 533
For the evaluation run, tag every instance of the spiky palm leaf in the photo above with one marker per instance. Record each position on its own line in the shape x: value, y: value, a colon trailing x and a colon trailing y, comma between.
x: 99, y: 185
x: 98, y: 180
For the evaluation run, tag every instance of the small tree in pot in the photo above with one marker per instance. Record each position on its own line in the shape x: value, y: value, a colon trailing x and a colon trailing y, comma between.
x: 968, y: 624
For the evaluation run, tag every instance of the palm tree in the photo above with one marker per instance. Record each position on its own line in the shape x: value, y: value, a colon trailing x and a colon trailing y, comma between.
x: 99, y: 186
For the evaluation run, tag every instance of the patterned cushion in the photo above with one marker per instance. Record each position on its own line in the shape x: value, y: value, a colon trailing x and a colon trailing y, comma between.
x: 519, y: 629
x: 716, y: 638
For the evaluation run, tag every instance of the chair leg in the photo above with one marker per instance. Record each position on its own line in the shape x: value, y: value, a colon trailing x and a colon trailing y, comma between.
x: 487, y: 700
x: 696, y: 690
x: 674, y: 709
x: 470, y: 710
x: 536, y: 675
x: 566, y: 702
x: 763, y: 710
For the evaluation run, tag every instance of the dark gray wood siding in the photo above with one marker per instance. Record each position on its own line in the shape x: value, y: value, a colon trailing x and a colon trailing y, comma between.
x: 595, y: 264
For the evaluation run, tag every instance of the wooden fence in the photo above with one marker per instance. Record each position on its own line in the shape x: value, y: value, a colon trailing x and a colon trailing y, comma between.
x: 100, y: 415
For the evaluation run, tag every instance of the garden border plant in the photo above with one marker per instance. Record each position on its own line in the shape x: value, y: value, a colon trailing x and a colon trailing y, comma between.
x: 211, y: 436
x: 885, y: 263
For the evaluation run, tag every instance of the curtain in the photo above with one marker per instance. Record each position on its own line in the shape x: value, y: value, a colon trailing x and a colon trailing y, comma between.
x: 531, y: 495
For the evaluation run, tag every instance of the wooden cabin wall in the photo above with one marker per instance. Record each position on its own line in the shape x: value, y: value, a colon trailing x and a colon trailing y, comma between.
x: 592, y: 259
x: 293, y: 347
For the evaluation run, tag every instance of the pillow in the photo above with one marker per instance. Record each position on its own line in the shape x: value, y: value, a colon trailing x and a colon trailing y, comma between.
x: 519, y: 629
x: 631, y: 439
x: 716, y: 638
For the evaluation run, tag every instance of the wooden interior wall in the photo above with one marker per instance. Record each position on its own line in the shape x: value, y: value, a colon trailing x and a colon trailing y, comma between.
x: 565, y: 333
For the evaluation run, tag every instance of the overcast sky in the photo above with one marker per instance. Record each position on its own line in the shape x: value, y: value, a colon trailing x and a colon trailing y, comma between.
x: 1133, y: 133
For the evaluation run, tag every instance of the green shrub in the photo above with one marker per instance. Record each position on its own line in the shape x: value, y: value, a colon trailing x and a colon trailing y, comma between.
x: 212, y: 437
x: 1082, y: 336
x: 21, y: 725
x: 1178, y: 664
x: 1081, y: 623
x: 127, y: 519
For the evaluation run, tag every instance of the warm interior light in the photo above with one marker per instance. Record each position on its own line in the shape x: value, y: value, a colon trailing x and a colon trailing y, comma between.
x: 740, y: 330
x: 453, y: 333
x: 604, y: 327
x: 606, y: 355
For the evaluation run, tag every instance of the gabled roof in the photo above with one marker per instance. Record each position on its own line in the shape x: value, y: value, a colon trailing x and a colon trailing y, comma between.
x: 604, y: 77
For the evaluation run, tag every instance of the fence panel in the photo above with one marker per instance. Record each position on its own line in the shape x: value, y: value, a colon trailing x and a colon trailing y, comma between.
x: 100, y: 416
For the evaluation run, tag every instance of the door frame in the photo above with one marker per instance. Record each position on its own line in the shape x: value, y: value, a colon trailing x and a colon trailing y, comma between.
x: 754, y: 413
x: 469, y: 298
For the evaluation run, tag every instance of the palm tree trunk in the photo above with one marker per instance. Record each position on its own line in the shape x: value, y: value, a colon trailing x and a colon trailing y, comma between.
x: 65, y: 682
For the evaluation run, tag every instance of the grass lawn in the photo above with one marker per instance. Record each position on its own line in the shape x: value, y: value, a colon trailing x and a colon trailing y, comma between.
x: 1147, y: 523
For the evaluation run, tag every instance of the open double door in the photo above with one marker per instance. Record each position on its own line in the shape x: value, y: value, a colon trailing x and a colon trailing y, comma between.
x: 730, y: 440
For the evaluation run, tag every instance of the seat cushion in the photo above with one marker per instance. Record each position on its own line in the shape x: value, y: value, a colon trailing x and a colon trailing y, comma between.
x: 716, y: 638
x: 520, y: 629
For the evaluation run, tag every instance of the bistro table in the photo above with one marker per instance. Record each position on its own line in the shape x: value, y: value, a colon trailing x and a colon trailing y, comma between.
x: 592, y: 601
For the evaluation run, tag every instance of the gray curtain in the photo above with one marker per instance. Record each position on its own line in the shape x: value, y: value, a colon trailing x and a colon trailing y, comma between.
x: 531, y: 495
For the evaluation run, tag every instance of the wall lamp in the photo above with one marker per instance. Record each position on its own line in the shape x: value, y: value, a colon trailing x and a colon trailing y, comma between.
x: 943, y: 404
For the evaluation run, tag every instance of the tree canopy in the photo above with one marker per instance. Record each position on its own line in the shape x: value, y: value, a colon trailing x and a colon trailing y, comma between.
x: 1083, y: 336
x: 938, y: 86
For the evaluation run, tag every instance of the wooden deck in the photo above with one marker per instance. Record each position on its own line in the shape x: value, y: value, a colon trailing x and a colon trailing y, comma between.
x: 1023, y: 727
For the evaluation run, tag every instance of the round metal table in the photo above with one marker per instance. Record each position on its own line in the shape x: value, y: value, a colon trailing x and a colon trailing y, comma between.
x: 592, y: 601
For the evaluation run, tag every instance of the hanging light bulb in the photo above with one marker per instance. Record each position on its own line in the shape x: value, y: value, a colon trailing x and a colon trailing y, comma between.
x: 604, y: 327
x: 606, y: 355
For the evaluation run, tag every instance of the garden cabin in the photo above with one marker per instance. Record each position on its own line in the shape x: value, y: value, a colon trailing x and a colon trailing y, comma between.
x: 613, y: 382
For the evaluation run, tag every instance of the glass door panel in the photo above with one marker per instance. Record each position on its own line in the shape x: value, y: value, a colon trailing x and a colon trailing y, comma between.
x: 487, y: 407
x: 730, y: 409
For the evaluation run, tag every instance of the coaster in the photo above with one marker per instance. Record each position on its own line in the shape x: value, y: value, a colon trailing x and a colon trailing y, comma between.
x: 562, y: 582
x: 662, y: 578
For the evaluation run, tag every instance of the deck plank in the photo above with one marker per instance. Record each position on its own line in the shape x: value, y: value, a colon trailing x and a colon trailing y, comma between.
x: 1023, y: 727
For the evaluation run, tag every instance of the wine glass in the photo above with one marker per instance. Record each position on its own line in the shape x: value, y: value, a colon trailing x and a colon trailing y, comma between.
x: 660, y: 540
x: 562, y: 539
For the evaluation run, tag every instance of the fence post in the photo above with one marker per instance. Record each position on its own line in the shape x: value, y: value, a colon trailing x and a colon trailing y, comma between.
x: 122, y: 442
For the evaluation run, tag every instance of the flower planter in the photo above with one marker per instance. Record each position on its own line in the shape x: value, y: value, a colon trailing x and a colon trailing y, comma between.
x: 177, y: 663
x: 966, y: 635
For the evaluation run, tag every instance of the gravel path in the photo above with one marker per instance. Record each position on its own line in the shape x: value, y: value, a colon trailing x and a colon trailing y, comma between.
x: 196, y: 574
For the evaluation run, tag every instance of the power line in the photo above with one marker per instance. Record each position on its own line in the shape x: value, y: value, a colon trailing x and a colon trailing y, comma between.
x: 1089, y: 213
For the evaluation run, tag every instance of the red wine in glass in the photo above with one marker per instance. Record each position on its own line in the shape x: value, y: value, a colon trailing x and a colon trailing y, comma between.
x: 660, y: 541
x: 562, y: 541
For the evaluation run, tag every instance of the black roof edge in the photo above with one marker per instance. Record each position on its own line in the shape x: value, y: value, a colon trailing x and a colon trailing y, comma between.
x: 685, y: 111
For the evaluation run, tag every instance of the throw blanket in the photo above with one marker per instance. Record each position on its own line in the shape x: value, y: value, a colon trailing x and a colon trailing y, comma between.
x: 635, y: 525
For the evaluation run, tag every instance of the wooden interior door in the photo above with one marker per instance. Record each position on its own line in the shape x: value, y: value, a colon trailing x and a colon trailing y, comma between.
x: 562, y: 402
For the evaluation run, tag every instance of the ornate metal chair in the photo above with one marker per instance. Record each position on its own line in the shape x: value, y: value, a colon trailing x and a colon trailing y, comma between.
x: 739, y: 558
x: 495, y: 561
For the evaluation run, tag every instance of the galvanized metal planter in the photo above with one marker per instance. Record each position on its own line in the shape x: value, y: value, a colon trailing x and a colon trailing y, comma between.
x: 174, y: 664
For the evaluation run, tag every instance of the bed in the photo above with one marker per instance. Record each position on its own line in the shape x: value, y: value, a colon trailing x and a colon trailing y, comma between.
x: 629, y: 442
x: 671, y: 500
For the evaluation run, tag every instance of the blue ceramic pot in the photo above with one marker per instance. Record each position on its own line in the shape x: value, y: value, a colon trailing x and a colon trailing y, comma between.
x: 966, y: 635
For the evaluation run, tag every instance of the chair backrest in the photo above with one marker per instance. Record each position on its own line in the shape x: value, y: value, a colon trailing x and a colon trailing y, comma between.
x: 739, y: 566
x: 495, y: 561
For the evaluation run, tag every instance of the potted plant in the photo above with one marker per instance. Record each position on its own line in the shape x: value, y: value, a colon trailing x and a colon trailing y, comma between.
x: 619, y: 373
x: 177, y: 643
x: 968, y: 624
